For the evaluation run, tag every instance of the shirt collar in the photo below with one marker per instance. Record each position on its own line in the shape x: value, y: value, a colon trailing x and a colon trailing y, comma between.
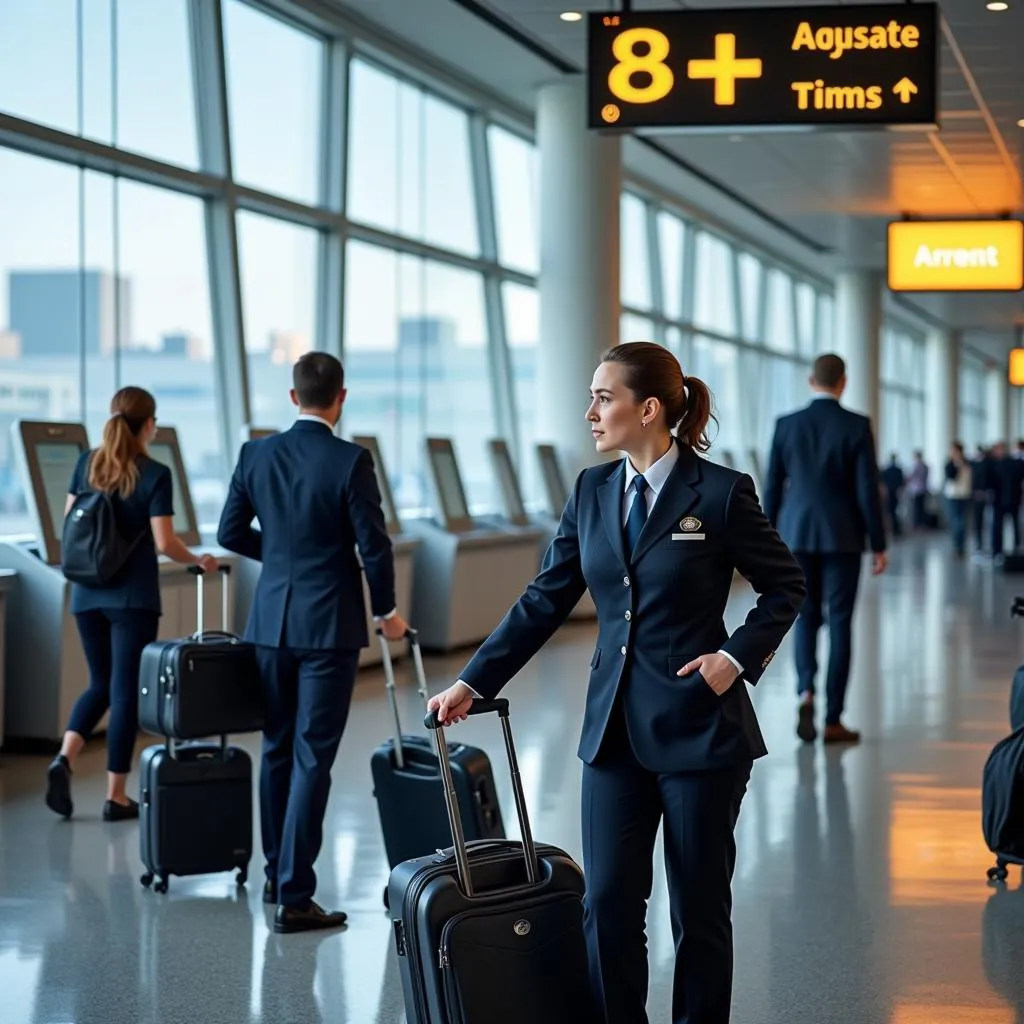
x: 658, y: 473
x: 310, y: 418
x: 818, y: 395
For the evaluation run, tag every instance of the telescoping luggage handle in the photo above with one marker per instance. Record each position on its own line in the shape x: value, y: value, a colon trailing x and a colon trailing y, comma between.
x: 482, y: 707
x: 389, y: 681
x: 223, y: 633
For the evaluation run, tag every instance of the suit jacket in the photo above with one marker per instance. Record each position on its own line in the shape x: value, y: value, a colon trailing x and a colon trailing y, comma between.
x: 657, y: 611
x: 316, y: 498
x: 822, y: 489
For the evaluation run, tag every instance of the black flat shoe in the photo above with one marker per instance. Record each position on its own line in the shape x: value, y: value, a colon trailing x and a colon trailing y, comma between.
x: 805, y: 727
x: 113, y: 811
x: 269, y: 891
x: 306, y: 919
x: 58, y: 787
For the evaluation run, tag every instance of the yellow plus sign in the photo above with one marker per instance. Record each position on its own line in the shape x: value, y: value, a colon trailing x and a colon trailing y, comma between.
x: 725, y: 69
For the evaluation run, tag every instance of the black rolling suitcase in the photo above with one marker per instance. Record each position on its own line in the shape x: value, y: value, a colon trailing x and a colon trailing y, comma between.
x: 492, y: 932
x: 195, y: 811
x: 407, y: 783
x: 207, y: 684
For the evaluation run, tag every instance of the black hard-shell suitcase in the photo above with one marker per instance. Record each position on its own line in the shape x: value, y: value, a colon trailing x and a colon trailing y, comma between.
x: 207, y: 684
x: 195, y: 811
x: 408, y: 788
x: 1017, y: 686
x: 492, y: 932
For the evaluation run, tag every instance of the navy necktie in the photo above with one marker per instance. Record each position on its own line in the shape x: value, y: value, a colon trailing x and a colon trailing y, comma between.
x: 637, y: 515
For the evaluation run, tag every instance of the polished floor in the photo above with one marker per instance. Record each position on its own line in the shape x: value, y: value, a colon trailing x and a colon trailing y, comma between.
x: 860, y: 893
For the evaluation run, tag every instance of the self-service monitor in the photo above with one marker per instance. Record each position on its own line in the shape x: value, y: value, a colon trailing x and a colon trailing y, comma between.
x: 165, y: 448
x: 554, y: 484
x: 47, y: 454
x: 508, y: 481
x: 451, y: 495
x: 383, y: 485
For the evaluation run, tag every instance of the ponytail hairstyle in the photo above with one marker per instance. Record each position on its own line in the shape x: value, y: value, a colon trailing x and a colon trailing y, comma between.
x: 652, y: 371
x: 112, y: 466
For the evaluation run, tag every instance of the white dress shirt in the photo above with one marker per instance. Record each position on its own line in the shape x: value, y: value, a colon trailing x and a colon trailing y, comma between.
x: 310, y: 418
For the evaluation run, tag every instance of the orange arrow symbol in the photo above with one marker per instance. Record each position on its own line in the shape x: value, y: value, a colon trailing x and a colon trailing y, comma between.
x: 904, y: 88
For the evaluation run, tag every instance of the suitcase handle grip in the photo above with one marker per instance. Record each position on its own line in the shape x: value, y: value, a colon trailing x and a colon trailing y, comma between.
x: 481, y: 707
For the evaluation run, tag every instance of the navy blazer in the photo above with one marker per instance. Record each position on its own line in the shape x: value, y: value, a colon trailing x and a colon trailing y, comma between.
x: 658, y: 611
x: 316, y: 498
x: 822, y: 489
x: 136, y: 585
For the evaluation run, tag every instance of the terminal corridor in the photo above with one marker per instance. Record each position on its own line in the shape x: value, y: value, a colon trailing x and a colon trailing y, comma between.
x: 860, y: 890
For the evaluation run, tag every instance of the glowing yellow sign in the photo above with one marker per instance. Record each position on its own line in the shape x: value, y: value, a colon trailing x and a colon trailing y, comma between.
x: 1017, y: 367
x: 724, y: 69
x: 956, y: 256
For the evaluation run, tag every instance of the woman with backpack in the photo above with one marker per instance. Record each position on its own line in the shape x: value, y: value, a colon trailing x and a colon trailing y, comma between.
x: 117, y: 618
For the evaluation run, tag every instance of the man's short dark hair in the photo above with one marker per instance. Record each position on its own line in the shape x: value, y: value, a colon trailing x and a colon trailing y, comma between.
x: 318, y: 379
x: 828, y: 370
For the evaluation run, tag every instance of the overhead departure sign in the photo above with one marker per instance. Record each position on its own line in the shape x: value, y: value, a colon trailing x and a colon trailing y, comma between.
x: 956, y: 256
x: 857, y: 65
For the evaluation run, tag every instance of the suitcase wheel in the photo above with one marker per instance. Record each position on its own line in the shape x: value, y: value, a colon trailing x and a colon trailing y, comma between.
x: 387, y: 899
x: 161, y: 886
x: 146, y: 879
x: 999, y: 872
x: 242, y: 877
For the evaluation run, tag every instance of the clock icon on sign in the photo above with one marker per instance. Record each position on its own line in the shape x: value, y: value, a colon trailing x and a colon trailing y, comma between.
x: 610, y: 113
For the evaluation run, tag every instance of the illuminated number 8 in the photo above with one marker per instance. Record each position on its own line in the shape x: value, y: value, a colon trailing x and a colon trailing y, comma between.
x: 629, y: 62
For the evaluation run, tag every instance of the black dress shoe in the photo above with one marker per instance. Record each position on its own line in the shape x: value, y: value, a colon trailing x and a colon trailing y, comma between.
x: 58, y: 787
x: 805, y: 727
x: 113, y: 811
x: 269, y: 891
x: 306, y: 919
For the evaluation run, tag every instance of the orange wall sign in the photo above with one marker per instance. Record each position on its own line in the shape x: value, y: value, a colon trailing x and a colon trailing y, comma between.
x: 956, y: 256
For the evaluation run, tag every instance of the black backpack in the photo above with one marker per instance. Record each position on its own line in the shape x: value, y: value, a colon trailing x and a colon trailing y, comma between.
x: 92, y: 548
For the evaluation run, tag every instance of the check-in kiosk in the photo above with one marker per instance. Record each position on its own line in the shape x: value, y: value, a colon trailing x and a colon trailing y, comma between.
x: 404, y: 548
x: 8, y: 582
x: 467, y: 573
x: 46, y: 665
x: 557, y: 494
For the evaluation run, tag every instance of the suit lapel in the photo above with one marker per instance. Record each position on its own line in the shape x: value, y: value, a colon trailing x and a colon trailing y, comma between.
x: 678, y: 496
x: 609, y: 497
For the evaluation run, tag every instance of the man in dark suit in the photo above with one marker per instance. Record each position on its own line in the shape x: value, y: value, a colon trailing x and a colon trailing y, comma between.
x: 822, y: 492
x: 316, y: 499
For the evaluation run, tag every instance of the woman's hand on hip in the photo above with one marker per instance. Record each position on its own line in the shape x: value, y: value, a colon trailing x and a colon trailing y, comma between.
x: 718, y: 671
x: 452, y: 705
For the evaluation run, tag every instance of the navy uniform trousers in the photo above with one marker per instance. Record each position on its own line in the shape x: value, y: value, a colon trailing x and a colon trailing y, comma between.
x: 622, y: 806
x: 308, y: 694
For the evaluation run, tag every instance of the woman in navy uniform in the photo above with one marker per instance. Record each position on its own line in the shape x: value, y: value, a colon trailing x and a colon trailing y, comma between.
x: 118, y: 619
x: 669, y: 731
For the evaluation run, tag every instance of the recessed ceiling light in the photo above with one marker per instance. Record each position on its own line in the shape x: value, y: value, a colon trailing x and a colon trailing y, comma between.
x: 997, y: 5
x: 1020, y: 123
x: 571, y: 16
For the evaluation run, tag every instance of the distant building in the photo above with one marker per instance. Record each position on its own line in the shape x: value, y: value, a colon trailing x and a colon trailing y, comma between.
x: 67, y: 312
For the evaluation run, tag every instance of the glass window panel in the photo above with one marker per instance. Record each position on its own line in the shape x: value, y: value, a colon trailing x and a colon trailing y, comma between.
x: 634, y: 264
x: 514, y: 173
x: 98, y: 71
x: 717, y: 364
x: 415, y: 336
x: 170, y: 346
x: 635, y: 328
x: 274, y: 76
x: 278, y: 267
x: 751, y: 273
x: 780, y: 329
x: 409, y: 164
x: 671, y: 238
x: 806, y: 306
x: 713, y: 303
x: 522, y: 328
x: 39, y: 62
x: 826, y: 329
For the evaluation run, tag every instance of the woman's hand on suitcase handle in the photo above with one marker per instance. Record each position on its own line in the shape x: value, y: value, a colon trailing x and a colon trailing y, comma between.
x: 207, y: 563
x: 452, y: 705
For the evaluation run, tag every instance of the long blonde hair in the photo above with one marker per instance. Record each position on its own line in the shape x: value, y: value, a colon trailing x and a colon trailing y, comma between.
x: 112, y: 466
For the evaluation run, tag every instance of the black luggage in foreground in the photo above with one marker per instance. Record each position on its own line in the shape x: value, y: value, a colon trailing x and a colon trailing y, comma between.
x: 492, y: 932
x: 207, y: 684
x: 407, y: 783
x: 195, y: 811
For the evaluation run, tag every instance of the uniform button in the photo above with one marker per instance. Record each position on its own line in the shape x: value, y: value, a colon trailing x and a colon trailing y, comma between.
x: 622, y: 650
x: 625, y: 581
x: 629, y: 615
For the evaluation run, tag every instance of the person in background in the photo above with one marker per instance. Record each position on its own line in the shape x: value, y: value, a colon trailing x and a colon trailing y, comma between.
x: 917, y: 489
x: 893, y: 481
x: 1005, y: 479
x: 669, y: 730
x: 981, y: 477
x: 957, y: 490
x: 118, y: 619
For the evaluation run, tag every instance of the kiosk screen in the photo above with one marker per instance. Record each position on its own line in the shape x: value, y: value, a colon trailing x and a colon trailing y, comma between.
x: 56, y: 461
x: 165, y: 453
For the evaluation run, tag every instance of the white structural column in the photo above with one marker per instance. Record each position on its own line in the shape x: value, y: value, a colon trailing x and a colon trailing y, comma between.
x: 998, y: 405
x: 858, y: 324
x: 580, y: 188
x: 942, y: 396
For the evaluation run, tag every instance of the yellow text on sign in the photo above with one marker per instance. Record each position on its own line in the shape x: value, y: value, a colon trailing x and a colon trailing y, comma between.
x: 652, y: 61
x: 841, y: 39
x: 951, y: 256
x: 725, y: 69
